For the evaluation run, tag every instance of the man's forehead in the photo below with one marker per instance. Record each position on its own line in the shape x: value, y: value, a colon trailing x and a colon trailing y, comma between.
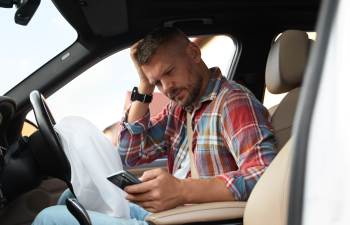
x: 156, y: 69
x: 159, y: 64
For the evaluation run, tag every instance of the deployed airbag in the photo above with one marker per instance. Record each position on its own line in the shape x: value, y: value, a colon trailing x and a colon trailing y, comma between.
x: 92, y: 158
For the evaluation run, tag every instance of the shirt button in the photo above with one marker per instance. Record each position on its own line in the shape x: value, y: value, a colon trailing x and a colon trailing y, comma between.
x: 171, y: 138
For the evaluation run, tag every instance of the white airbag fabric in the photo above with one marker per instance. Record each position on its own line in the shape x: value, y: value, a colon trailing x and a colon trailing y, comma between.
x: 92, y: 158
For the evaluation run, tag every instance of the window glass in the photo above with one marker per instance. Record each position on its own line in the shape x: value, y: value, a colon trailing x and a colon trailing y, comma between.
x: 24, y: 49
x: 28, y: 129
x: 273, y: 99
x: 102, y: 92
x: 217, y: 51
x: 312, y: 36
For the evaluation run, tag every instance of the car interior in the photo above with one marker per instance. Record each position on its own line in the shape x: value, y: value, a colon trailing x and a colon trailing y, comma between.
x: 34, y: 170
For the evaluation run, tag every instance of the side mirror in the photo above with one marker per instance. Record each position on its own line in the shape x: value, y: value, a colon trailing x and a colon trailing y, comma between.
x: 25, y: 9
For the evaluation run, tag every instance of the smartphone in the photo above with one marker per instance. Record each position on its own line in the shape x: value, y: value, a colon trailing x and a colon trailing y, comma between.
x: 123, y: 178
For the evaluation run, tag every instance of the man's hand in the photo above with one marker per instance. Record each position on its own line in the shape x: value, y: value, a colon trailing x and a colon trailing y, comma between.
x: 145, y: 87
x: 160, y: 191
x: 139, y: 109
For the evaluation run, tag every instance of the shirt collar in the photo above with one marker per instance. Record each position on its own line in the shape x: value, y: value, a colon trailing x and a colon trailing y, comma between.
x: 212, y: 89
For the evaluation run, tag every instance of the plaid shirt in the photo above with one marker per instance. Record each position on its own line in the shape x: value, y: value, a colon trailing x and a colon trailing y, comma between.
x: 233, y: 138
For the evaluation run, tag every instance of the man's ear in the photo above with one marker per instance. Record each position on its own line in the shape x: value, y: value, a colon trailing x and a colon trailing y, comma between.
x: 195, y: 52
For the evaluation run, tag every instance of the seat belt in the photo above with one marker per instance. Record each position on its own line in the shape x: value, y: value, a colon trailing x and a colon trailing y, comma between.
x: 194, y: 172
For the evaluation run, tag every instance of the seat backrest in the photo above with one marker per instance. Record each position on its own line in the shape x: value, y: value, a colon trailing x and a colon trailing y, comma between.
x: 284, y: 72
x: 286, y: 63
x: 268, y: 202
x: 283, y: 117
x: 272, y: 109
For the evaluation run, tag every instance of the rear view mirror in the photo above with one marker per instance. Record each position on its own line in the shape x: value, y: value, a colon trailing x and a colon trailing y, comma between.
x: 25, y: 9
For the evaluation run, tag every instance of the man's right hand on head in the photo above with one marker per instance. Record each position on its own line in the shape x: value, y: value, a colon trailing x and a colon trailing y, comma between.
x: 139, y: 109
x: 145, y: 87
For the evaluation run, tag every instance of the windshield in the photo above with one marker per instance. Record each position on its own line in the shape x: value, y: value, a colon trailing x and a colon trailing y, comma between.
x: 24, y: 49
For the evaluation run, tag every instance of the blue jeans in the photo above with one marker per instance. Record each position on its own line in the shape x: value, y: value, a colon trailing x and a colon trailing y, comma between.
x: 59, y: 214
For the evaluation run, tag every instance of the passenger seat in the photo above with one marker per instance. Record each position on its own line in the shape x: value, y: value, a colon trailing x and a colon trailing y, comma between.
x: 268, y: 202
x: 284, y: 73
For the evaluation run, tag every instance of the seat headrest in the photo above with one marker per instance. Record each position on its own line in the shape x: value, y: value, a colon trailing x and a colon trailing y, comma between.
x: 286, y: 62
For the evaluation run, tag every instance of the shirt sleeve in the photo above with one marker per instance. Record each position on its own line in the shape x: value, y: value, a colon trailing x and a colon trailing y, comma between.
x: 144, y: 140
x: 248, y: 134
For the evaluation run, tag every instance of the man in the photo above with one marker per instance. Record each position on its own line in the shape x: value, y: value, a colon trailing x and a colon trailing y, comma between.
x: 231, y: 129
x: 233, y: 140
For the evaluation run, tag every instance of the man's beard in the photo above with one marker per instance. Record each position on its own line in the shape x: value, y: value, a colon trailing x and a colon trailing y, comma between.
x: 194, y: 88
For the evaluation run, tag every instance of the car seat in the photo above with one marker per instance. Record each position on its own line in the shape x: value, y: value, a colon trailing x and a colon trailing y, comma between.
x: 268, y: 202
x: 284, y: 72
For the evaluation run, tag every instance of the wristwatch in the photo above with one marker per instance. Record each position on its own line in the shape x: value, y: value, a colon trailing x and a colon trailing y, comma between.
x: 135, y: 95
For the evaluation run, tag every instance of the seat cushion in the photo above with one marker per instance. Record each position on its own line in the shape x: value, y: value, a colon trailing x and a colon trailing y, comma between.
x: 272, y: 109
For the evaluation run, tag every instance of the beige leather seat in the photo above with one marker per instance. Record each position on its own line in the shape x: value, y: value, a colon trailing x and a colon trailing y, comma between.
x: 268, y: 201
x: 272, y: 109
x: 284, y: 72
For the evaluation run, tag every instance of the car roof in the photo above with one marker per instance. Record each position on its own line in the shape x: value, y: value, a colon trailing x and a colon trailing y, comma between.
x: 144, y: 15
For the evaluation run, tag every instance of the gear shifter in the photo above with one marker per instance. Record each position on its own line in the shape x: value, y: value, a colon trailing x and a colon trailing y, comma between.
x: 78, y: 211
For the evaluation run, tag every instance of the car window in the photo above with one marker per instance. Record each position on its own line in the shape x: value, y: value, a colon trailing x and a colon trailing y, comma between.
x: 270, y: 99
x: 217, y: 51
x: 28, y: 128
x: 102, y: 92
x: 24, y: 49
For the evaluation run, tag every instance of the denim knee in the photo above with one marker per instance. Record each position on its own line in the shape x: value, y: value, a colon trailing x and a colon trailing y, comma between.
x: 55, y: 215
x: 66, y: 194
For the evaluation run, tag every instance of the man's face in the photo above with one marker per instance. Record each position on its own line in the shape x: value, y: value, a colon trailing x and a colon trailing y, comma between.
x: 175, y: 75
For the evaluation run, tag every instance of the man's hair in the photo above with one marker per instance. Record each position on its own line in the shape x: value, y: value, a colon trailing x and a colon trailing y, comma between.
x: 168, y: 37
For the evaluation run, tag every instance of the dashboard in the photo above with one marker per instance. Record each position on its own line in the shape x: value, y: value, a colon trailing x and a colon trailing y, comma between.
x: 19, y: 171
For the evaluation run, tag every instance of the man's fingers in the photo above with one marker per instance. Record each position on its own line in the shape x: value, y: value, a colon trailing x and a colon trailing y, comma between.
x: 148, y: 206
x: 139, y: 197
x: 151, y: 175
x: 152, y: 210
x: 136, y: 45
x: 138, y: 188
x: 133, y: 52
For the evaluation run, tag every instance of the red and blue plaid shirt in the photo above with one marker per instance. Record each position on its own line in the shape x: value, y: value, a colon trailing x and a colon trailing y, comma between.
x: 233, y: 138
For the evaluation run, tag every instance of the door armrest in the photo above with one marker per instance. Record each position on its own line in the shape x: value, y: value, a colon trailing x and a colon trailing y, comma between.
x: 204, y: 212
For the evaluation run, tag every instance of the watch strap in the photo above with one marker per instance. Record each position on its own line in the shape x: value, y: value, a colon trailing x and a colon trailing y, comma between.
x: 140, y: 97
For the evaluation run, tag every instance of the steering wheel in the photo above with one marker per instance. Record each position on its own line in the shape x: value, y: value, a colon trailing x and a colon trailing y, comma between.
x: 45, y: 122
